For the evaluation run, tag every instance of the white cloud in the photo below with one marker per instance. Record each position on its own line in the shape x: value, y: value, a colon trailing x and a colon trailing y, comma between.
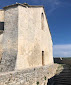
x: 62, y: 50
x: 53, y: 4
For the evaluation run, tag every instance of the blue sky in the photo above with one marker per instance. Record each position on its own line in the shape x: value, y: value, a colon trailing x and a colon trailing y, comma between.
x: 58, y: 13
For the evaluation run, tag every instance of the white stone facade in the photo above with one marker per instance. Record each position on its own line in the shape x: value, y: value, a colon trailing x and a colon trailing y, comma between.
x: 27, y: 39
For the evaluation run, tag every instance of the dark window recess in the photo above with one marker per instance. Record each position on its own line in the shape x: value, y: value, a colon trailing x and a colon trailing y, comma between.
x: 42, y: 21
x: 1, y: 25
x: 42, y: 57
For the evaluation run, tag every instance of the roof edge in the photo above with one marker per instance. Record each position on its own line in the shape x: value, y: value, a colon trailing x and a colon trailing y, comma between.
x: 24, y: 5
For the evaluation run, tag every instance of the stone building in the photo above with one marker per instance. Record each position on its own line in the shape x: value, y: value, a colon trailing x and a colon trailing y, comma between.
x: 25, y: 38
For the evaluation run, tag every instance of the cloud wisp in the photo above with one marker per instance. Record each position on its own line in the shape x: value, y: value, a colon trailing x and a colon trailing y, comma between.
x: 53, y: 4
x: 62, y: 50
x: 50, y: 5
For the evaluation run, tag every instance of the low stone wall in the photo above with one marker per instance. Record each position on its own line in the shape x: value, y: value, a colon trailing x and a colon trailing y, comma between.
x: 62, y: 61
x: 33, y: 76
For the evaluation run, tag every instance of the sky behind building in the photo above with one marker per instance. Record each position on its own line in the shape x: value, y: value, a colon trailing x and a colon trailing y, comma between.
x: 58, y: 13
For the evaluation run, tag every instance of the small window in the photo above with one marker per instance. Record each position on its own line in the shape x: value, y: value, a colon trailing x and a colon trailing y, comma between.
x: 1, y: 25
x: 42, y: 21
x: 42, y: 57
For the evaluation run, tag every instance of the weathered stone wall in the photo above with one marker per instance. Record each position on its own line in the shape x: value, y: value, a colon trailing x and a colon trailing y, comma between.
x: 24, y: 40
x: 10, y: 39
x: 34, y: 76
x: 32, y: 40
x: 63, y: 60
x: 1, y: 15
x: 1, y: 44
x: 47, y: 41
x: 1, y: 32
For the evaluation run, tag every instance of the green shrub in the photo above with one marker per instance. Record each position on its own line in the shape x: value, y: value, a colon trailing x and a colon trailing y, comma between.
x: 45, y: 78
x: 37, y: 83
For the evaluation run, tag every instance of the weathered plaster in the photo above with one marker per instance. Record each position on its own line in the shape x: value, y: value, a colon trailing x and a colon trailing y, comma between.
x: 32, y: 40
x: 1, y: 15
x: 10, y: 39
x: 24, y: 39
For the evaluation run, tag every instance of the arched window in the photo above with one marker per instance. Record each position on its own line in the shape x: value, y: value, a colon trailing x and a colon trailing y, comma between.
x: 42, y: 21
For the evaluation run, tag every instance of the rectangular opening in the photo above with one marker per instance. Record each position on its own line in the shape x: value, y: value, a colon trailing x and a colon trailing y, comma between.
x: 42, y: 21
x: 1, y: 25
x: 42, y: 57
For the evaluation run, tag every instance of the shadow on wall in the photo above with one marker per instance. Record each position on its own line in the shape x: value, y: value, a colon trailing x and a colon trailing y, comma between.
x: 61, y: 78
x: 62, y: 61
